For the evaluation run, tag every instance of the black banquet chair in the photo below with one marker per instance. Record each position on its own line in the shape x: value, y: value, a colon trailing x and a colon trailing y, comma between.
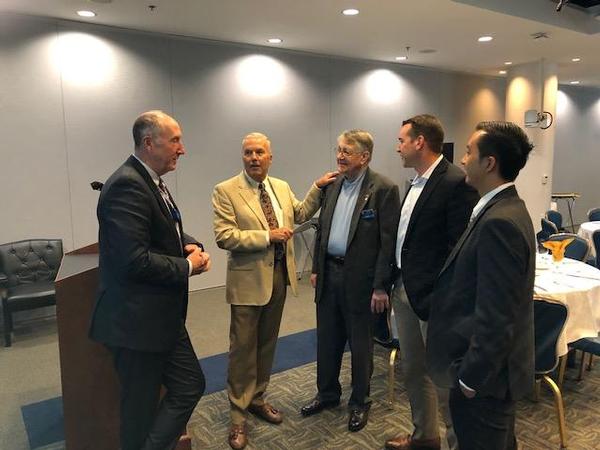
x: 548, y: 229
x: 549, y: 320
x: 27, y: 272
x: 556, y: 218
x: 594, y: 215
x: 383, y: 335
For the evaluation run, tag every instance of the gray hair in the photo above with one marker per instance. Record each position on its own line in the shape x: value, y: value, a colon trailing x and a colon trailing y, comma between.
x: 150, y: 124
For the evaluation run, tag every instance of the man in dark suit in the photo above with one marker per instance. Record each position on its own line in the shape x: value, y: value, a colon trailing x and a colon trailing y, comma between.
x: 145, y: 262
x: 434, y: 214
x: 480, y: 334
x: 352, y: 273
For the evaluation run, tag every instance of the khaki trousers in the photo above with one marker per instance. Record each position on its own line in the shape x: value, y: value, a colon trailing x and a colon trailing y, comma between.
x: 253, y: 336
x: 423, y: 395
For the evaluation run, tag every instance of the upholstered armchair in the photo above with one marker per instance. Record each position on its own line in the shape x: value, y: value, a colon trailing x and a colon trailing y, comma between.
x: 27, y: 272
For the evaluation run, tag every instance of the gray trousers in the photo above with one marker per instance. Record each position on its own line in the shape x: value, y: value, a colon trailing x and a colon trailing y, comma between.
x: 423, y: 395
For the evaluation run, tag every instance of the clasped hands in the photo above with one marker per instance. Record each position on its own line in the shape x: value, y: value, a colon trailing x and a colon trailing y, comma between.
x: 200, y: 259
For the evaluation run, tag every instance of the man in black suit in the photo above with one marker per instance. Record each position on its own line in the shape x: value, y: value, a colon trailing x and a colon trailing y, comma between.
x: 352, y: 273
x: 480, y: 340
x: 434, y: 214
x: 145, y: 262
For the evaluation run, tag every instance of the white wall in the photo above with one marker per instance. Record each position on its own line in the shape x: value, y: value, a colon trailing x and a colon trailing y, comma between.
x: 67, y: 124
x: 577, y: 148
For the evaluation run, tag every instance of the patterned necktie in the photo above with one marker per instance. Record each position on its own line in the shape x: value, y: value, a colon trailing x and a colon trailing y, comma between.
x: 175, y: 214
x: 267, y: 207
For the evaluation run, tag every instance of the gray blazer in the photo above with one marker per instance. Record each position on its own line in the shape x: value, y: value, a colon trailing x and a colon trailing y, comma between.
x: 371, y: 239
x: 480, y: 328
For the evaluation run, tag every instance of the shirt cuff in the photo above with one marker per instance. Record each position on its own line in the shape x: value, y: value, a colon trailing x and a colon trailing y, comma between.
x: 467, y: 388
x: 190, y: 267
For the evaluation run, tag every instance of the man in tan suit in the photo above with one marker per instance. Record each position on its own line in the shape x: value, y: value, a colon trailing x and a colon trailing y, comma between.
x: 254, y: 216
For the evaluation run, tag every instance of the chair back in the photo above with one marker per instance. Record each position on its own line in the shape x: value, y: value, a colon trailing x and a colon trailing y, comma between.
x: 549, y: 318
x: 596, y: 242
x: 579, y: 249
x: 548, y: 229
x: 30, y: 261
x: 555, y: 217
x: 594, y: 214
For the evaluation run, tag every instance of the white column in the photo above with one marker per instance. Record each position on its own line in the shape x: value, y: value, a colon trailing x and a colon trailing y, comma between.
x: 534, y: 86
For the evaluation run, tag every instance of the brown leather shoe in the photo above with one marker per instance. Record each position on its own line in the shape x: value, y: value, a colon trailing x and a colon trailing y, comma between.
x: 406, y: 442
x: 266, y: 412
x: 238, y: 438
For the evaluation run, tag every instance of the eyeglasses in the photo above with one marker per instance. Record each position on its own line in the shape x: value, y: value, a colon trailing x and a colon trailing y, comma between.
x: 346, y: 151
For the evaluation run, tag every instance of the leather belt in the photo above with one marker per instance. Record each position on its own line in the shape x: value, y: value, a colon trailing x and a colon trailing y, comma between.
x: 335, y: 259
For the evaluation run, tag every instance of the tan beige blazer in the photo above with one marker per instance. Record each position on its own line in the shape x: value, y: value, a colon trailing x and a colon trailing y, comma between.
x: 240, y: 225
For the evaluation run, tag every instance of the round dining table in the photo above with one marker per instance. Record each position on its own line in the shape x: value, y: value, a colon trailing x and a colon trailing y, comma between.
x: 576, y: 285
x: 586, y: 230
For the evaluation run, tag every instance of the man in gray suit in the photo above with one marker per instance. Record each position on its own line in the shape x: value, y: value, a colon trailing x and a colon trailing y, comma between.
x: 352, y: 273
x: 480, y: 340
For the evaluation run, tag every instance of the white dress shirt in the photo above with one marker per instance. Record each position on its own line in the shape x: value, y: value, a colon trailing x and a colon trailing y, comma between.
x: 416, y: 187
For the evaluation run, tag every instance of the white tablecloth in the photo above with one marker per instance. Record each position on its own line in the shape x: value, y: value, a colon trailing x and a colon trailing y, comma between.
x: 586, y: 229
x: 576, y: 285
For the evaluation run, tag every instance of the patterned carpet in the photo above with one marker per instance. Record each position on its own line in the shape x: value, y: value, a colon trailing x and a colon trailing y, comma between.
x: 537, y: 427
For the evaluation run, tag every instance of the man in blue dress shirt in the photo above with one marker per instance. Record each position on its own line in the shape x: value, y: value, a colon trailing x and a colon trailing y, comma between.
x: 352, y: 273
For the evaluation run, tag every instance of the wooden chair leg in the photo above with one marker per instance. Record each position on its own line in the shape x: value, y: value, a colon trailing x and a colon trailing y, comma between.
x: 589, y: 367
x: 581, y: 366
x: 560, y: 410
x: 391, y: 375
x: 536, y: 390
x: 561, y: 370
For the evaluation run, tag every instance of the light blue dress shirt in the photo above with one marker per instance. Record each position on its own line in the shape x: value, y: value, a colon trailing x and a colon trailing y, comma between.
x: 342, y: 215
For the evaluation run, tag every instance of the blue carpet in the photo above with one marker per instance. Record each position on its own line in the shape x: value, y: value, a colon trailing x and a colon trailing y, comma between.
x: 44, y: 420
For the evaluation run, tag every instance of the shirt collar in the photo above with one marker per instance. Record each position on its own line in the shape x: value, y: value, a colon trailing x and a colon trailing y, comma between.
x: 428, y: 172
x: 151, y: 172
x: 253, y: 182
x: 358, y: 180
x: 483, y: 201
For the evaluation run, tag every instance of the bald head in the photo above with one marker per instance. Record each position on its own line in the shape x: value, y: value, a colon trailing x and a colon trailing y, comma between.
x: 150, y: 124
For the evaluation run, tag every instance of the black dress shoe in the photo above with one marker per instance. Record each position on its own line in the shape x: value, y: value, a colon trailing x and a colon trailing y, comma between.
x: 358, y: 418
x: 316, y: 406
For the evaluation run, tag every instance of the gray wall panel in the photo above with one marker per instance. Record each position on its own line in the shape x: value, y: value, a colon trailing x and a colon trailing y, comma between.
x: 34, y: 179
x: 201, y: 83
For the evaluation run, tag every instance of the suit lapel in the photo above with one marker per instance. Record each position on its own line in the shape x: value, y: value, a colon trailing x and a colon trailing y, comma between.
x: 249, y: 196
x: 133, y: 162
x: 508, y: 192
x: 361, y: 201
x: 429, y: 188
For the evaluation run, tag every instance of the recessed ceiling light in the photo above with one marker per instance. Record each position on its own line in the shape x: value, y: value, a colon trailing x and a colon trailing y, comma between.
x: 485, y: 38
x: 350, y: 12
x: 401, y: 58
x: 574, y: 82
x: 502, y: 72
x: 274, y: 41
x: 508, y: 63
x: 576, y: 59
x: 86, y: 13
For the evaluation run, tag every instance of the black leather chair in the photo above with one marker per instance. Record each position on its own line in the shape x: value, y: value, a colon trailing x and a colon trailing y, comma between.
x: 27, y: 272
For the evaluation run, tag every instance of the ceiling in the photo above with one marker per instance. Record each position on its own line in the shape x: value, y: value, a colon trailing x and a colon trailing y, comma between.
x: 382, y: 30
